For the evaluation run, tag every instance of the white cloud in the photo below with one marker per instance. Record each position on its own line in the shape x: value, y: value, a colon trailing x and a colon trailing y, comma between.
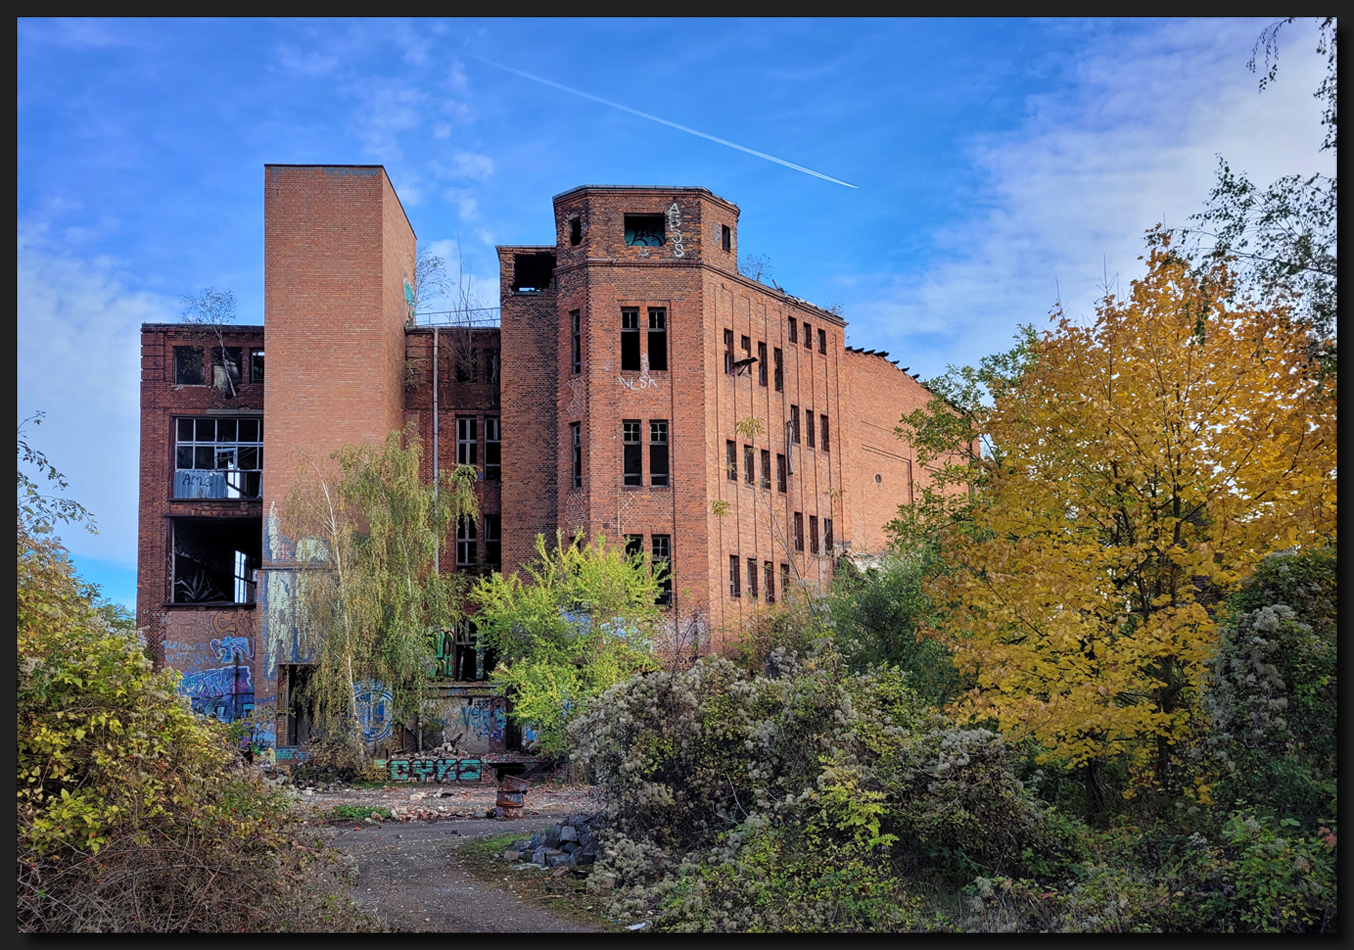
x: 387, y: 109
x: 79, y: 361
x: 1134, y: 143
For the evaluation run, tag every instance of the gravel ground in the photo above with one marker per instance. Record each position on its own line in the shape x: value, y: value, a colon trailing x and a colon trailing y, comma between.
x: 410, y: 870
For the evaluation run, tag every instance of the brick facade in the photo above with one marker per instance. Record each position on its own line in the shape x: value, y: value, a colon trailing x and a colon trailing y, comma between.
x: 631, y: 358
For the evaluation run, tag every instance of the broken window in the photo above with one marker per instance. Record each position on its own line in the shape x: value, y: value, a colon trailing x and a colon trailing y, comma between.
x: 731, y: 461
x: 218, y: 458
x: 735, y: 577
x: 808, y: 336
x: 766, y: 468
x: 575, y: 231
x: 822, y: 442
x: 658, y: 339
x: 748, y: 474
x: 770, y: 576
x: 813, y: 534
x: 576, y: 451
x: 215, y: 560
x: 726, y: 237
x: 827, y: 535
x: 634, y: 546
x: 781, y: 473
x: 226, y: 363
x: 658, y: 452
x: 188, y: 366
x: 780, y: 370
x: 467, y: 441
x: 761, y: 363
x: 467, y: 538
x: 493, y: 449
x: 295, y: 697
x: 793, y: 325
x: 630, y: 339
x: 493, y: 364
x: 644, y: 230
x: 460, y: 655
x: 808, y: 427
x: 799, y: 531
x: 467, y: 364
x: 752, y: 578
x: 728, y: 352
x: 576, y: 347
x: 822, y: 342
x: 662, y: 568
x: 493, y: 542
x: 532, y: 272
x: 256, y: 366
x: 634, y: 452
x: 794, y: 424
x: 746, y: 343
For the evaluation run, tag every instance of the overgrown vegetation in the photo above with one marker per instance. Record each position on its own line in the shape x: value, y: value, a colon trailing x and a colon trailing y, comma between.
x: 133, y: 814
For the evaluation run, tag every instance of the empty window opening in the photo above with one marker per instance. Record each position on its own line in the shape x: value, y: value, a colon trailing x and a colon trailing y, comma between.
x: 813, y: 534
x: 658, y: 339
x: 769, y: 572
x: 827, y: 535
x: 662, y: 568
x: 634, y: 452
x: 630, y: 339
x: 218, y: 458
x: 634, y: 546
x: 256, y: 366
x: 728, y: 352
x: 761, y: 363
x: 726, y: 237
x: 576, y: 342
x: 493, y: 365
x: 784, y: 580
x: 658, y: 452
x: 575, y: 231
x: 746, y: 343
x: 226, y: 369
x: 766, y: 468
x: 808, y: 427
x: 467, y: 441
x: 493, y: 543
x: 822, y: 342
x: 188, y: 366
x: 808, y: 336
x: 794, y: 424
x: 644, y: 230
x: 576, y: 452
x: 532, y: 272
x: 781, y: 474
x: 793, y: 329
x: 799, y: 531
x: 752, y: 578
x: 823, y: 440
x: 467, y: 364
x: 493, y: 449
x: 467, y: 541
x: 748, y: 474
x: 731, y: 461
x: 216, y: 561
x: 735, y: 577
x: 780, y: 370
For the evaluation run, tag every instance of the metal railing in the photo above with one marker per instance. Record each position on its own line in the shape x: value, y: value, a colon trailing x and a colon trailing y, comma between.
x: 471, y: 318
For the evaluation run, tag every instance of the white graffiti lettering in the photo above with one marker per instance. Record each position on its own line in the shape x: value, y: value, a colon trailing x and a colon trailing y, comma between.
x: 675, y: 226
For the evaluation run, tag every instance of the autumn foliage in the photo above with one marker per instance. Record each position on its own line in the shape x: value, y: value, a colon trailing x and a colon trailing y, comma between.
x: 1142, y: 465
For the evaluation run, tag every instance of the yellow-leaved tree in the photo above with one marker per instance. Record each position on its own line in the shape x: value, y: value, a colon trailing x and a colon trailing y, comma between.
x: 1140, y: 466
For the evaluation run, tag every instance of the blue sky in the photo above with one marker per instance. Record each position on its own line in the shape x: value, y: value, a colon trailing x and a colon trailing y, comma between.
x: 998, y: 164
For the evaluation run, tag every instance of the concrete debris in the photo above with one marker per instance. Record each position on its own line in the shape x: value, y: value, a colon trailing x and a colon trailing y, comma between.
x: 569, y: 844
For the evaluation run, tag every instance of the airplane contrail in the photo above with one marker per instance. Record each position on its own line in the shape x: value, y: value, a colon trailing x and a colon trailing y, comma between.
x: 654, y: 118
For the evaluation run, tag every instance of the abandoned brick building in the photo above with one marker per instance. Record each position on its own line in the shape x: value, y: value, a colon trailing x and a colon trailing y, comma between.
x: 633, y: 383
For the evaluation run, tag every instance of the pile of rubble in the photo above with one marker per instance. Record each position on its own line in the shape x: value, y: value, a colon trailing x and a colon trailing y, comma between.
x: 569, y: 844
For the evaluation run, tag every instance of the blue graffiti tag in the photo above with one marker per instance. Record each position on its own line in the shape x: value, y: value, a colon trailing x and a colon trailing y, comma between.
x: 375, y: 710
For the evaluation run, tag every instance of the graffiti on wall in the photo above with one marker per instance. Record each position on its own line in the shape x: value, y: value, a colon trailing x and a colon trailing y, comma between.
x: 643, y: 380
x: 225, y: 693
x: 214, y: 650
x: 675, y: 230
x: 435, y: 770
x: 375, y: 710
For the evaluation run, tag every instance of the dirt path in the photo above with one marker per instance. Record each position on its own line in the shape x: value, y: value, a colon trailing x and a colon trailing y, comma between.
x: 414, y: 874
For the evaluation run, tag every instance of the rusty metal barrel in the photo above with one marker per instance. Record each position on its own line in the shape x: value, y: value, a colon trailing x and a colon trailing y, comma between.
x: 512, y: 796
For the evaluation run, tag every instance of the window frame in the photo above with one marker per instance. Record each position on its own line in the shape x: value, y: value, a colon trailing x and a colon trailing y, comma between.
x: 241, y: 450
x: 735, y: 577
x: 658, y: 340
x: 660, y: 453
x: 630, y: 340
x: 576, y: 452
x: 632, y: 453
x: 576, y: 344
x: 467, y: 446
x: 493, y: 449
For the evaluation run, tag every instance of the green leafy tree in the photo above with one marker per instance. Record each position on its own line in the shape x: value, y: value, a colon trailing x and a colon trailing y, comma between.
x: 39, y: 511
x: 367, y: 530
x: 581, y: 621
